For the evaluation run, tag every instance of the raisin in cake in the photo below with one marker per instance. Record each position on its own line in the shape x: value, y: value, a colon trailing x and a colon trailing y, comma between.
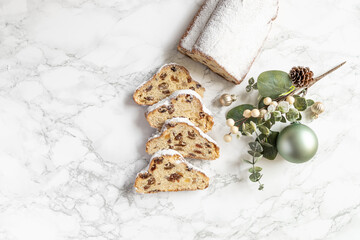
x: 233, y: 36
x: 182, y: 103
x: 168, y: 79
x: 193, y: 31
x: 167, y: 172
x: 183, y: 136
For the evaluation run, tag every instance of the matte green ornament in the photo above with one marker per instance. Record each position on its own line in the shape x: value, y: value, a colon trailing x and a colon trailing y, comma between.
x: 297, y: 143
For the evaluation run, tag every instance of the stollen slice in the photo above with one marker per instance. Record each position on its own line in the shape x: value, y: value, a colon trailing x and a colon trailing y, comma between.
x: 182, y: 103
x: 169, y: 78
x: 183, y: 136
x: 168, y: 172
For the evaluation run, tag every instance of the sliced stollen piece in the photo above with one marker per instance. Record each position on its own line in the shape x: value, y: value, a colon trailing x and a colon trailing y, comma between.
x: 168, y: 172
x: 182, y: 103
x: 194, y: 29
x: 233, y: 36
x: 183, y: 136
x: 169, y: 78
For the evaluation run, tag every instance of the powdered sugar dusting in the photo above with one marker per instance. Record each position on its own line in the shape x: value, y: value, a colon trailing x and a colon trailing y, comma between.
x: 182, y: 120
x: 198, y: 24
x: 167, y: 101
x: 235, y: 32
x: 170, y: 152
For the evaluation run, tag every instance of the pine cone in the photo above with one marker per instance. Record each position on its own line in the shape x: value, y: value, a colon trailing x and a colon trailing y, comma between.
x: 301, y: 76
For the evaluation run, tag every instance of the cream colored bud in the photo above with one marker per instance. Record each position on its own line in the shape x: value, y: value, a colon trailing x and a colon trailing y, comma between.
x: 230, y: 122
x: 255, y: 113
x: 234, y: 129
x: 274, y: 103
x: 247, y: 113
x: 267, y: 101
x: 290, y: 99
x: 227, y: 138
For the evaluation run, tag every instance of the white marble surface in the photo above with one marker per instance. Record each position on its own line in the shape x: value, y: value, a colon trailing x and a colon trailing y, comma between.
x: 72, y: 139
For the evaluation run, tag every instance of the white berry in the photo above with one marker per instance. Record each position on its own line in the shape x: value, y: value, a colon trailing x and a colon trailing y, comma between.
x: 290, y: 99
x: 234, y: 129
x: 255, y: 113
x: 262, y: 112
x: 267, y: 100
x: 230, y: 122
x: 274, y: 103
x: 227, y: 138
x: 247, y: 113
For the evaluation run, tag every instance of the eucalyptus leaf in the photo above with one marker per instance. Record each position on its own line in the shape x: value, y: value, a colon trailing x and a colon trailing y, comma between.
x: 247, y: 161
x: 277, y: 115
x: 248, y: 88
x: 309, y: 102
x: 254, y: 154
x: 300, y: 103
x: 255, y: 169
x: 272, y: 119
x: 266, y: 144
x: 292, y: 115
x: 255, y: 87
x: 273, y: 83
x: 270, y: 152
x: 256, y: 147
x: 254, y: 177
x: 251, y: 81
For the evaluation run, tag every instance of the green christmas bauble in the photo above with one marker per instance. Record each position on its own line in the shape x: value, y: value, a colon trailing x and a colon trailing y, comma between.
x: 297, y: 143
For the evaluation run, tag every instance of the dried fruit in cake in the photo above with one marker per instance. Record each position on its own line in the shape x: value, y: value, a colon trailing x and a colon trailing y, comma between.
x: 183, y: 136
x: 169, y: 78
x: 167, y: 172
x: 182, y: 103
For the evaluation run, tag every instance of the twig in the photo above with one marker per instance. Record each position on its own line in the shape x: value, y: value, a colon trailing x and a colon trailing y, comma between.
x: 297, y: 91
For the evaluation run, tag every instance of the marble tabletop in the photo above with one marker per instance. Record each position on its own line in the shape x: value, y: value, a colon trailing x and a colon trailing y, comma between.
x: 72, y: 139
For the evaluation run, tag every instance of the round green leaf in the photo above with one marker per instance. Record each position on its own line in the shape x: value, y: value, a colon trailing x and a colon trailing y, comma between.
x: 255, y: 169
x: 309, y: 102
x: 300, y: 103
x: 251, y: 81
x: 292, y: 115
x: 254, y: 177
x: 273, y: 83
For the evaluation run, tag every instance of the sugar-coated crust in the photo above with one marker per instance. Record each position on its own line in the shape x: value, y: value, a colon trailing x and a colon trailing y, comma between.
x: 198, y: 130
x: 181, y: 159
x: 189, y: 28
x: 139, y: 88
x: 169, y: 100
x: 200, y: 57
x: 209, y: 61
x: 195, y: 54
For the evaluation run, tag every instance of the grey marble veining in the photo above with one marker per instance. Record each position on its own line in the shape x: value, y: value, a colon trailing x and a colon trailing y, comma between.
x: 72, y: 139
